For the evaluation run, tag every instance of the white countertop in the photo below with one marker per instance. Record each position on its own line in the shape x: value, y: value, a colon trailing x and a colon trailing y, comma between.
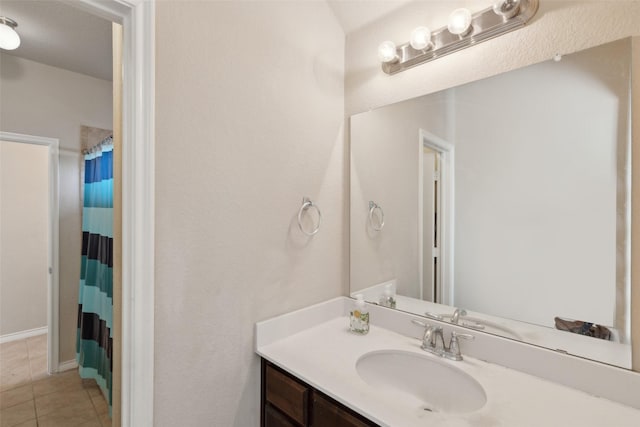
x: 319, y: 349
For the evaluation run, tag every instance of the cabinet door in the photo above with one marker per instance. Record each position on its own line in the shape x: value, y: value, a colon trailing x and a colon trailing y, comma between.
x: 328, y: 414
x: 273, y: 418
x: 286, y: 394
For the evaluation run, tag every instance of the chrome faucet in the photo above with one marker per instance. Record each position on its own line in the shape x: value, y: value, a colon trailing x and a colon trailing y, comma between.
x: 459, y: 312
x: 433, y: 341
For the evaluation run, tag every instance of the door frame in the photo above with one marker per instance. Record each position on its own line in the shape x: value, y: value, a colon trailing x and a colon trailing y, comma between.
x: 53, y: 292
x: 137, y: 18
x: 445, y: 214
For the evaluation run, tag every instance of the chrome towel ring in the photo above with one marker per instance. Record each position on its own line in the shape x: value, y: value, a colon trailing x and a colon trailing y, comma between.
x: 306, y: 205
x: 373, y: 206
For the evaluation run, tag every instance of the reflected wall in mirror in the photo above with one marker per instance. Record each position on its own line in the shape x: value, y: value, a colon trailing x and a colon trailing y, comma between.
x: 508, y: 197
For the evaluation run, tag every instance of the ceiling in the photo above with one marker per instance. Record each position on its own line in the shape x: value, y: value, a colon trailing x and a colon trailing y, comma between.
x: 55, y: 33
x: 60, y: 35
x: 355, y: 14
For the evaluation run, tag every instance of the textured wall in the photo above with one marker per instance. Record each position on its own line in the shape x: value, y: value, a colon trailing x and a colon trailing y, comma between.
x: 249, y: 99
x: 37, y: 99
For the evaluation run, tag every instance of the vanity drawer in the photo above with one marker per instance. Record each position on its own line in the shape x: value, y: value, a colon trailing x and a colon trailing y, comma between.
x: 288, y: 395
x: 327, y: 413
x: 273, y: 418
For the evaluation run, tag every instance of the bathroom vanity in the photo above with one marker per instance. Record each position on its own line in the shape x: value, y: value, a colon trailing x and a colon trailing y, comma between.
x: 315, y: 372
x: 289, y: 402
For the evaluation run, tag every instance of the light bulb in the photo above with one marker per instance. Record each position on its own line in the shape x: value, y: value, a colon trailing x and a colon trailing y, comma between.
x: 420, y: 38
x: 459, y: 21
x: 506, y: 8
x: 387, y: 52
x: 9, y: 39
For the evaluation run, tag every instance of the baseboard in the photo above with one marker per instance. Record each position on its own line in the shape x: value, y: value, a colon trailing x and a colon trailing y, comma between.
x: 68, y: 365
x: 23, y: 334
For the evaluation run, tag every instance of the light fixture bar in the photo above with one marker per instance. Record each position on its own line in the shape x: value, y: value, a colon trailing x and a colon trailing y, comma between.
x: 485, y: 24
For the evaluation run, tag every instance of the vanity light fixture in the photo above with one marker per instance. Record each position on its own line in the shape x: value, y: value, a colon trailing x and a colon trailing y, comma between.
x: 9, y: 38
x: 464, y: 29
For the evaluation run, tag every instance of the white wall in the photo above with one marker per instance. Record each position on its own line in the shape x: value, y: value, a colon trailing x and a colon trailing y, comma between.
x: 536, y: 188
x: 249, y: 104
x: 24, y: 242
x: 37, y: 99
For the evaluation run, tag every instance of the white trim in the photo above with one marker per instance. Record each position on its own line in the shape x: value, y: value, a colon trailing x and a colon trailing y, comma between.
x: 138, y: 98
x: 446, y: 214
x: 67, y: 366
x: 138, y: 217
x: 53, y: 290
x: 420, y: 215
x: 21, y: 335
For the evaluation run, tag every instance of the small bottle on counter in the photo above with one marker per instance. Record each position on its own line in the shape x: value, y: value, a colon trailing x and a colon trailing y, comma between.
x: 388, y: 297
x: 359, y: 316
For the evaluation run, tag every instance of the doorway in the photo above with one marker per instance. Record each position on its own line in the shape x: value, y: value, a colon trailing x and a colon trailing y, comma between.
x: 137, y: 170
x: 136, y: 346
x: 29, y: 248
x: 436, y: 213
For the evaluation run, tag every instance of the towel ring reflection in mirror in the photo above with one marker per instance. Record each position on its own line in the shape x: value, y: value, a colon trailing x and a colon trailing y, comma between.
x: 306, y: 205
x: 373, y: 206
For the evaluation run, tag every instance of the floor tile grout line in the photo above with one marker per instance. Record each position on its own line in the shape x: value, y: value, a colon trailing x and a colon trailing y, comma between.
x: 32, y: 382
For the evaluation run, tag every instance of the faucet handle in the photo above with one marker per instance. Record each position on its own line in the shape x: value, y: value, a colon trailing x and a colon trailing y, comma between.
x: 433, y: 316
x: 455, y: 334
x: 473, y: 325
x: 454, y: 344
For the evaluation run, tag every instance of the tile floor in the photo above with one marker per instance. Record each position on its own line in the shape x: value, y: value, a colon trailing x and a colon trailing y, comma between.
x: 29, y: 397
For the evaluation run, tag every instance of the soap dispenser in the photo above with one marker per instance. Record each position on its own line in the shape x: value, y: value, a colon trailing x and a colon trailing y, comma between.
x: 359, y: 316
x: 388, y: 297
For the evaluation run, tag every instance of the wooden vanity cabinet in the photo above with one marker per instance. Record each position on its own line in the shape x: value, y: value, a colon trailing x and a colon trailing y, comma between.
x: 288, y: 402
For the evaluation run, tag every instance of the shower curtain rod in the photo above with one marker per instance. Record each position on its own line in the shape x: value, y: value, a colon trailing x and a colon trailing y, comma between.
x: 108, y: 140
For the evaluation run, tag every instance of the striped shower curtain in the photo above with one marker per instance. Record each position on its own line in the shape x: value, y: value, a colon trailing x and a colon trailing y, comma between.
x: 95, y: 302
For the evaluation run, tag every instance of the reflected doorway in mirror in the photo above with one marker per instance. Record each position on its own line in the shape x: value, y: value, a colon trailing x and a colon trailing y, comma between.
x: 435, y: 208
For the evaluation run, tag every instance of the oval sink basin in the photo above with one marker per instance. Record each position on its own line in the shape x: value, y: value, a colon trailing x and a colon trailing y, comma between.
x: 425, y: 381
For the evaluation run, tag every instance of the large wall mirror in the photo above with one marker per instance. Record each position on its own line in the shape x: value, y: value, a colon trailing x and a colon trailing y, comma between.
x: 507, y: 199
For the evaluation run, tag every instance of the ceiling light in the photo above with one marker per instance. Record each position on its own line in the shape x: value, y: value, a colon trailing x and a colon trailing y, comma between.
x: 9, y: 39
x: 421, y: 38
x: 459, y: 22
